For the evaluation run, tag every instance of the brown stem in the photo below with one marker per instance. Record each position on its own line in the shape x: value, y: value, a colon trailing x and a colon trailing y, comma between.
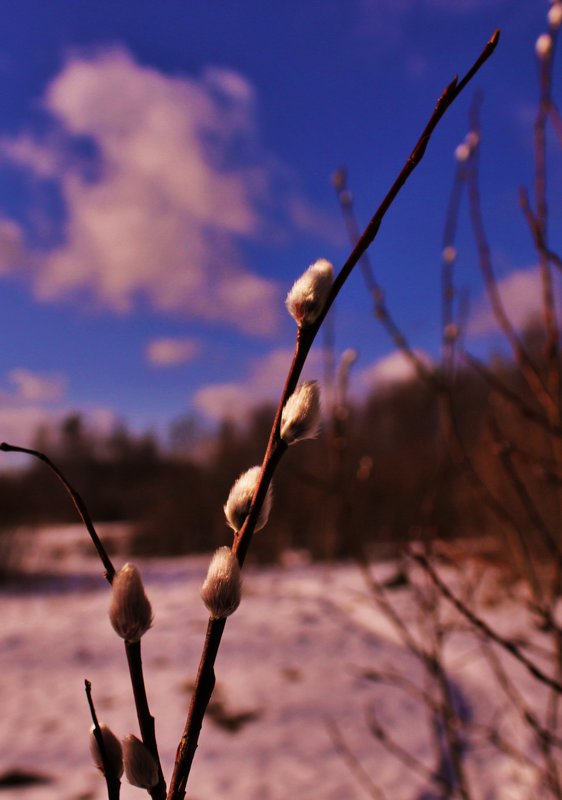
x: 76, y: 499
x: 112, y: 781
x: 145, y: 718
x: 447, y: 267
x: 551, y: 324
x: 526, y: 365
x: 204, y: 685
x: 555, y: 118
x: 536, y: 230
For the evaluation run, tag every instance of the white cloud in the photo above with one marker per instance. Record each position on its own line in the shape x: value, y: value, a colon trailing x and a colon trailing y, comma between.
x: 388, y: 22
x: 521, y: 295
x: 262, y: 383
x: 29, y: 402
x: 171, y: 352
x: 18, y: 425
x: 181, y: 178
x: 34, y: 400
x: 26, y: 152
x: 389, y: 370
x: 33, y: 387
x: 13, y: 253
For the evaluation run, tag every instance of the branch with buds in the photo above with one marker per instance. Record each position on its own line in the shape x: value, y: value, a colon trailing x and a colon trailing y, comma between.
x: 247, y: 507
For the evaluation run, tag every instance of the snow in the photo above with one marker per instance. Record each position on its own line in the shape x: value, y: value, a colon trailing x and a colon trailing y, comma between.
x: 292, y: 662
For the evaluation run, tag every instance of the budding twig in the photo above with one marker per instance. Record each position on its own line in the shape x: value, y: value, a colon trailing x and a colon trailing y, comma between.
x: 276, y: 446
x: 111, y: 774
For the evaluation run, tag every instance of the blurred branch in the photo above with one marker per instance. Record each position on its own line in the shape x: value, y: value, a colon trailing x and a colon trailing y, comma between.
x: 512, y: 397
x: 353, y: 763
x: 526, y: 365
x: 477, y: 622
x: 403, y: 755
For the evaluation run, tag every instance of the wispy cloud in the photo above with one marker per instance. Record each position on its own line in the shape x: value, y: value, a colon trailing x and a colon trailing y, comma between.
x: 28, y: 401
x: 261, y: 383
x: 171, y: 352
x: 33, y: 387
x: 389, y: 370
x: 181, y: 180
x: 32, y: 400
x: 521, y: 295
x: 388, y: 22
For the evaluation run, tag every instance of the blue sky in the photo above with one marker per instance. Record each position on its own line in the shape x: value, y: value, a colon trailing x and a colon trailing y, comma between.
x: 164, y: 178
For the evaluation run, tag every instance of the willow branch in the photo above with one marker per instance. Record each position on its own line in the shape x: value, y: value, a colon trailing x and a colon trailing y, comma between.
x: 276, y: 447
x: 78, y: 503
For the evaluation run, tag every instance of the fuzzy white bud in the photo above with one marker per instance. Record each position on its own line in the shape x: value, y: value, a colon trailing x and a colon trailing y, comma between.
x: 462, y: 152
x: 112, y: 750
x: 449, y: 254
x: 141, y: 768
x: 309, y: 293
x: 237, y: 507
x: 222, y: 589
x: 130, y: 612
x: 555, y: 16
x: 300, y: 418
x: 543, y: 46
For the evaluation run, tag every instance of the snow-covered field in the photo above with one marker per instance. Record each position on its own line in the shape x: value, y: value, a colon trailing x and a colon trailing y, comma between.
x: 293, y: 662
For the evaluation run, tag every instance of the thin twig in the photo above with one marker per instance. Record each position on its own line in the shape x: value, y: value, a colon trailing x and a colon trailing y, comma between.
x: 504, y: 450
x: 352, y: 762
x: 484, y: 628
x: 536, y: 230
x: 78, y: 503
x: 545, y: 738
x: 113, y: 781
x: 527, y: 411
x: 448, y: 257
x: 380, y: 308
x: 145, y: 718
x: 403, y: 755
x: 526, y: 365
x: 541, y: 216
